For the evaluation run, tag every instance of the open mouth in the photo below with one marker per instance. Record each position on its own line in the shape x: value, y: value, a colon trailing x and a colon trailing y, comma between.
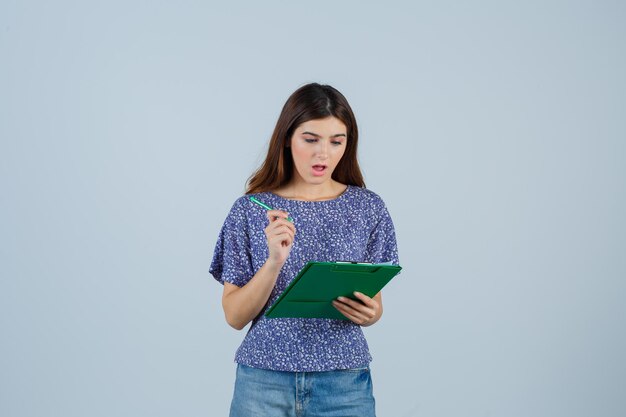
x: 319, y: 168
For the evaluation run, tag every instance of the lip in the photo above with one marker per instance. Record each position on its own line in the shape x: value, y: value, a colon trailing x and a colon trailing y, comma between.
x: 317, y: 173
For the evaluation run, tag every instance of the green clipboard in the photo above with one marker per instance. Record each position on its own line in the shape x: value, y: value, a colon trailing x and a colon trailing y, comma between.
x: 312, y: 291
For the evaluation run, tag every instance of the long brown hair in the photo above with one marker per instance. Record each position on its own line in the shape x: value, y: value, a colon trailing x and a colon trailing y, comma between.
x: 309, y: 102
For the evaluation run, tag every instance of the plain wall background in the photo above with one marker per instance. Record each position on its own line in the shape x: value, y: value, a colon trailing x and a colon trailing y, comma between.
x: 495, y: 131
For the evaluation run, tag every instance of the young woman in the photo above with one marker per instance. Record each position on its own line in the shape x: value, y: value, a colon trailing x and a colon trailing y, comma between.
x: 322, y: 212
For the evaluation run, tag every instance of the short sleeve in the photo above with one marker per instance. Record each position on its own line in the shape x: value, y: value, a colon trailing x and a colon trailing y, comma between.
x: 232, y: 259
x: 382, y: 246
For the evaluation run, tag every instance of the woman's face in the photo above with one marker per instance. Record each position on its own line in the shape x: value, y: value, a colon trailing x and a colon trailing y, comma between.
x: 317, y: 147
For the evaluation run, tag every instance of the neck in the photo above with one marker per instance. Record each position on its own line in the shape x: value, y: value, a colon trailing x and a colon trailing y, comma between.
x: 312, y: 192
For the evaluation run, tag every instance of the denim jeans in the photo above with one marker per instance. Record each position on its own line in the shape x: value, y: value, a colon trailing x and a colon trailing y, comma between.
x: 265, y: 393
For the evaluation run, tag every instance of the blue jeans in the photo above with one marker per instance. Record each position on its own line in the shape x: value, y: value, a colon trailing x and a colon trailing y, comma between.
x: 265, y: 393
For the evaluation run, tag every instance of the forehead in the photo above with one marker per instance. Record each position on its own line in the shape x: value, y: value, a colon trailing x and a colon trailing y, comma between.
x: 326, y: 126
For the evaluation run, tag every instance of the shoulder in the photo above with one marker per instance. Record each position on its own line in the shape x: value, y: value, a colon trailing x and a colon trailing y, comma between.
x: 239, y: 211
x: 367, y: 203
x: 367, y: 197
x: 239, y: 205
x: 244, y: 212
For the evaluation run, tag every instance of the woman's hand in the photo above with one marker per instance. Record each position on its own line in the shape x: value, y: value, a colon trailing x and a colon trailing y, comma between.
x: 365, y: 312
x: 280, y: 234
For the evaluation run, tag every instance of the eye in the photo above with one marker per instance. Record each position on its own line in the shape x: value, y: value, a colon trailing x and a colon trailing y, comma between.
x: 309, y: 140
x: 336, y: 143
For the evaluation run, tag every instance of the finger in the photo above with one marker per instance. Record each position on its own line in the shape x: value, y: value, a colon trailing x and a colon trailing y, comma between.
x: 282, y: 235
x: 273, y: 215
x: 350, y: 313
x: 279, y: 223
x: 356, y: 308
x: 278, y: 230
x: 370, y: 302
x: 344, y: 310
x: 355, y: 304
x: 282, y: 220
x: 285, y: 238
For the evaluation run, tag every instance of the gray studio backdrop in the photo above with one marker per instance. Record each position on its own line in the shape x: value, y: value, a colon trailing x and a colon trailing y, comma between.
x: 495, y: 132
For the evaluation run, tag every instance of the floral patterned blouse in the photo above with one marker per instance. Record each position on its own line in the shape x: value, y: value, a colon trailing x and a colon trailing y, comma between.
x: 355, y: 226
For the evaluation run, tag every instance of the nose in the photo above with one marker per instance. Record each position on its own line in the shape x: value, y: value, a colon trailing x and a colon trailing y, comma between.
x: 322, y: 150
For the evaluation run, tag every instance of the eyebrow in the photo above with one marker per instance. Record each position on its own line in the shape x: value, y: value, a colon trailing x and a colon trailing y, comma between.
x: 319, y: 136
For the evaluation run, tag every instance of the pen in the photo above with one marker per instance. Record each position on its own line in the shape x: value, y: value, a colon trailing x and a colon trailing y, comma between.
x: 265, y: 206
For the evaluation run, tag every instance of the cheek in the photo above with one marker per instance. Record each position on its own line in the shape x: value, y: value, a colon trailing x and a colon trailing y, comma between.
x: 339, y: 152
x: 297, y: 153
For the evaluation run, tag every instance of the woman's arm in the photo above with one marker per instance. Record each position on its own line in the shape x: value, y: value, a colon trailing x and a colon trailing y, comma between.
x: 242, y: 304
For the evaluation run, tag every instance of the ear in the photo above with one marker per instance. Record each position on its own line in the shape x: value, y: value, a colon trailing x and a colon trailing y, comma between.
x: 288, y: 143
